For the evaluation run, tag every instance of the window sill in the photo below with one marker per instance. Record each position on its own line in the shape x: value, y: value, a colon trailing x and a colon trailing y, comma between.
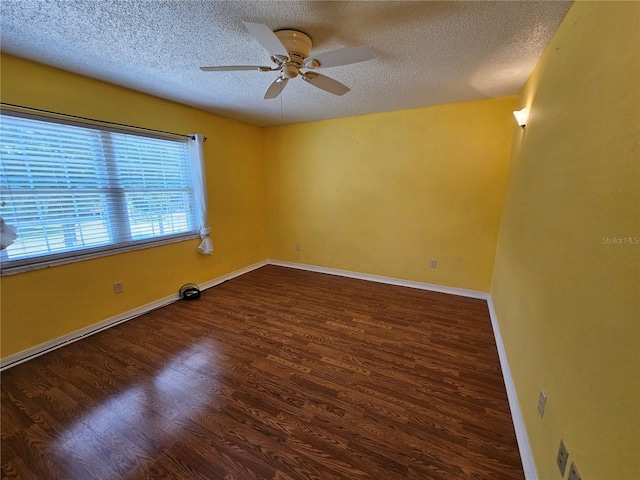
x: 37, y: 264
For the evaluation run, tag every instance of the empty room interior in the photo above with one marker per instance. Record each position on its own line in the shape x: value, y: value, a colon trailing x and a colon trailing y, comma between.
x: 397, y: 281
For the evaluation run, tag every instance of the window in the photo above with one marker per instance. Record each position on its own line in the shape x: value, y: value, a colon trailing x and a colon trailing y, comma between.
x: 73, y: 191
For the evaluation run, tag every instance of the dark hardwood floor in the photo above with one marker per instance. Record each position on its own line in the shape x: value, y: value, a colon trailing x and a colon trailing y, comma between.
x: 277, y: 374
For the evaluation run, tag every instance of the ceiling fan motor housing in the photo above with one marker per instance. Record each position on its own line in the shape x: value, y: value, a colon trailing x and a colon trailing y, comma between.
x: 298, y: 45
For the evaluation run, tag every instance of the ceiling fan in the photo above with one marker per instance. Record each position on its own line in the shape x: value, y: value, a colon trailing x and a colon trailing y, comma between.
x: 289, y: 50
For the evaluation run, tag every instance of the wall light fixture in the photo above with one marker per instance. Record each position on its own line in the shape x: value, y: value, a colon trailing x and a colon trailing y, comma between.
x: 522, y: 116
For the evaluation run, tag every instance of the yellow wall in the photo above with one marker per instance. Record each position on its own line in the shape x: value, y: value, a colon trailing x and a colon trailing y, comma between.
x: 385, y: 193
x: 42, y: 305
x: 377, y: 194
x: 567, y: 301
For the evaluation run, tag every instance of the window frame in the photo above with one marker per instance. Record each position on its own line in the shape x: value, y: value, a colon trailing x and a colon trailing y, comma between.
x: 9, y: 267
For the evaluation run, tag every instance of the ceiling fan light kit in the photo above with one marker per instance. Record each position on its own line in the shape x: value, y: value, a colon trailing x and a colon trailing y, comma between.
x: 290, y: 51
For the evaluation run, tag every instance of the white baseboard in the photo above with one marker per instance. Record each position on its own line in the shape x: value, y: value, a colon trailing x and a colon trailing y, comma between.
x: 381, y: 279
x: 234, y: 274
x: 45, y: 347
x: 526, y: 455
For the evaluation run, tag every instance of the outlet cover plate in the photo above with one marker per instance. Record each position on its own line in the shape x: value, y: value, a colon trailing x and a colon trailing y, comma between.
x: 573, y: 473
x: 563, y: 457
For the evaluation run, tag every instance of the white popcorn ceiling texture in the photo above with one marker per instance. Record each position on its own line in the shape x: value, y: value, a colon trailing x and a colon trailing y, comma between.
x: 427, y: 53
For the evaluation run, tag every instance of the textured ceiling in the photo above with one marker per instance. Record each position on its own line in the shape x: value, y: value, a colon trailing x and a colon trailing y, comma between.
x: 427, y: 53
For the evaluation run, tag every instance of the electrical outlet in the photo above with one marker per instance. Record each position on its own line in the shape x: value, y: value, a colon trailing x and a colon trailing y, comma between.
x: 542, y: 401
x: 563, y: 456
x: 573, y: 473
x: 298, y: 247
x: 117, y: 287
x: 433, y: 263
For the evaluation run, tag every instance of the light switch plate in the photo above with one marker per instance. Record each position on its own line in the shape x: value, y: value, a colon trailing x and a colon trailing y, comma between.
x: 542, y: 401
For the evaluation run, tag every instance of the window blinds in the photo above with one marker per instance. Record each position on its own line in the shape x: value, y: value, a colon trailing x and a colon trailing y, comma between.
x: 69, y: 189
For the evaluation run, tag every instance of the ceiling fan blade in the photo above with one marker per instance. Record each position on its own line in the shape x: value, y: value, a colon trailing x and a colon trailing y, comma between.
x: 325, y: 83
x: 267, y: 38
x: 275, y: 88
x: 231, y: 68
x: 341, y: 56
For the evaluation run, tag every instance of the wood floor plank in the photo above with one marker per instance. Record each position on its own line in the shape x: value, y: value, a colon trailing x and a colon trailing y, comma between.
x: 278, y: 374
